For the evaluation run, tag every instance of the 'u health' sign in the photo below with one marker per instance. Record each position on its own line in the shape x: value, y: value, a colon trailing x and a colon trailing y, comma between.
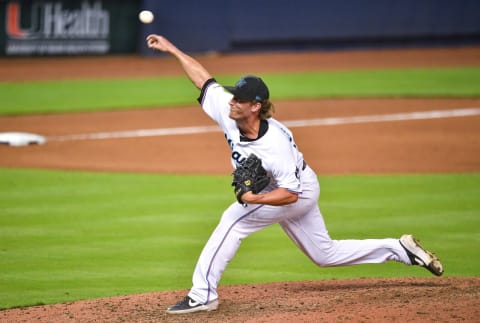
x: 62, y: 27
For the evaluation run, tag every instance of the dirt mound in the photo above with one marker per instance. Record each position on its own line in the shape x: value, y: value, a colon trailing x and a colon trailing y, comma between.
x: 358, y: 300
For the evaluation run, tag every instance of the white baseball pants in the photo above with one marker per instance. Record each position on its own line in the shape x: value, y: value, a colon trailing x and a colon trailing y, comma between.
x: 302, y: 222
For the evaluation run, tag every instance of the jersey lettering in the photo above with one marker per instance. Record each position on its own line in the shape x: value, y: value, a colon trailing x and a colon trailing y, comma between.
x: 236, y: 156
x: 289, y: 137
x: 229, y: 142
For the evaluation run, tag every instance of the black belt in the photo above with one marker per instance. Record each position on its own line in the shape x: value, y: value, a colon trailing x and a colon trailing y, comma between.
x: 304, y: 165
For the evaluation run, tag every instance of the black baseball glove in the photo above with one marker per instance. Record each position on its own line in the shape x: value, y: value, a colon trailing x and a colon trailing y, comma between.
x: 250, y: 176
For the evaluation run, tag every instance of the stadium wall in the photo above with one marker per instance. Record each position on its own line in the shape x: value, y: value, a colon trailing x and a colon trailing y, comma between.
x: 78, y: 27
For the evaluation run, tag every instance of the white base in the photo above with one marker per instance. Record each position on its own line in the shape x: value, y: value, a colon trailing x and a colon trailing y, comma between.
x: 18, y: 139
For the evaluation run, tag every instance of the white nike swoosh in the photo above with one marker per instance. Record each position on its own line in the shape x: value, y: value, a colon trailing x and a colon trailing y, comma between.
x: 192, y: 303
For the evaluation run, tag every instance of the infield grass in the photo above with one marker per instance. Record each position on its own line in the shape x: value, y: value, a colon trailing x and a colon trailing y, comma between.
x: 94, y: 95
x: 78, y: 235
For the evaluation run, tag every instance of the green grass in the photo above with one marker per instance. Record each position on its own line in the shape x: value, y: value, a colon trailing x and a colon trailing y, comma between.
x: 77, y: 235
x: 92, y: 95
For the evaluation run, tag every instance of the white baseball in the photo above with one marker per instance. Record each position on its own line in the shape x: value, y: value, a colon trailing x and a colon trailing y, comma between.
x: 145, y: 16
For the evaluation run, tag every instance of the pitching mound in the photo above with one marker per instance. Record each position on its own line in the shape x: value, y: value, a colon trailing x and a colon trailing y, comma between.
x: 359, y: 300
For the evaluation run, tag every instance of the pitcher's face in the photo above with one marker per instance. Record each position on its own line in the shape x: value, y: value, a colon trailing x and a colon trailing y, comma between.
x: 240, y: 109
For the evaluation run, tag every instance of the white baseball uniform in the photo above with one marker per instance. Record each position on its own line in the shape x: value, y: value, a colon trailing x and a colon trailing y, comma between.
x: 301, y: 221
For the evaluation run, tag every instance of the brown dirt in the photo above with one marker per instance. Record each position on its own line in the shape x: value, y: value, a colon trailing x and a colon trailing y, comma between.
x: 442, y: 145
x: 59, y: 68
x: 352, y: 300
x: 421, y: 146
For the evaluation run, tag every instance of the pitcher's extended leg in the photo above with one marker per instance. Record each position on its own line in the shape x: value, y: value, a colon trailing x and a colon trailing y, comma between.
x: 311, y: 235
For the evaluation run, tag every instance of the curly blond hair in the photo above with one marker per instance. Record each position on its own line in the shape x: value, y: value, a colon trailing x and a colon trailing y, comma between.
x: 267, y: 110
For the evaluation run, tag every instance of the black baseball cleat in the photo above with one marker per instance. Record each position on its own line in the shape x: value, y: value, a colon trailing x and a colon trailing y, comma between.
x: 420, y: 256
x: 188, y: 305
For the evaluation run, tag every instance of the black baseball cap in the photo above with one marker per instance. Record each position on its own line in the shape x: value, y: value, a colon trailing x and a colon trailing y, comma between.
x: 249, y: 88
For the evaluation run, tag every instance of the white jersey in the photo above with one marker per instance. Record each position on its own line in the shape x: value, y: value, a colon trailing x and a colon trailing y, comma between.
x: 276, y: 148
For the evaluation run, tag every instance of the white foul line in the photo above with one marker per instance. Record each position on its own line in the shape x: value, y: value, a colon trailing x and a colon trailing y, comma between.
x: 138, y: 133
x: 434, y: 114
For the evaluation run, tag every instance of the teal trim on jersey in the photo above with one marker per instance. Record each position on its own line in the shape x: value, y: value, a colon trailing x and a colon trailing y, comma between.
x: 67, y: 236
x: 109, y: 94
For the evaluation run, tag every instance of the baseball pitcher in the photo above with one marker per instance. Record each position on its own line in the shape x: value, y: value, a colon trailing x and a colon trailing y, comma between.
x: 272, y: 183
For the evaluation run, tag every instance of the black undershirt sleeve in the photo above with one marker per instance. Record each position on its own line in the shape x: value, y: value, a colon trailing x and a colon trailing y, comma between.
x: 204, y: 88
